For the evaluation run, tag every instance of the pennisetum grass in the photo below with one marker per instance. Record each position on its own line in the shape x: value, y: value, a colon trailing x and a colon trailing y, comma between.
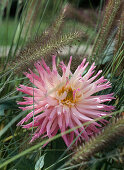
x: 41, y: 29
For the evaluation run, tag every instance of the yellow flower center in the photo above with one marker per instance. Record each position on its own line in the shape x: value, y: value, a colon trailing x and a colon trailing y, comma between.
x: 68, y: 96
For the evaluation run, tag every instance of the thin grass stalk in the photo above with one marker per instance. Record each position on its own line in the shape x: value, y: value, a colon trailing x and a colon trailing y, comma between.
x: 34, y: 7
x: 11, y: 54
x: 41, y: 19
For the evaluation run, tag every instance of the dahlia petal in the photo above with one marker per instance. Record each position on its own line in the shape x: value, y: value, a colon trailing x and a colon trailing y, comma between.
x: 92, y: 113
x: 43, y: 126
x: 54, y: 64
x: 73, y: 125
x: 28, y: 98
x: 30, y: 91
x: 27, y: 108
x: 91, y: 91
x: 63, y: 129
x: 67, y: 73
x: 51, y: 101
x: 60, y: 118
x: 87, y: 88
x: 54, y: 127
x: 31, y: 114
x: 70, y: 138
x: 65, y: 102
x: 103, y: 121
x: 32, y: 99
x: 36, y: 82
x: 32, y: 124
x: 45, y: 113
x: 67, y: 116
x: 52, y: 114
x: 48, y: 127
x: 107, y: 97
x: 89, y: 73
x: 78, y: 122
x: 100, y: 80
x: 63, y: 67
x: 36, y: 135
x: 79, y: 115
x: 25, y: 103
x: 46, y: 67
x: 102, y: 87
x: 34, y: 75
x: 94, y: 77
x: 59, y: 110
x: 78, y: 73
x: 80, y: 66
x: 93, y: 128
x: 41, y: 71
x: 95, y: 106
x: 98, y: 99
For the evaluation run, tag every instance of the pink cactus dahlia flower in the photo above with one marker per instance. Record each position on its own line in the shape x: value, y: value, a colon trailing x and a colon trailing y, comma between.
x: 64, y: 102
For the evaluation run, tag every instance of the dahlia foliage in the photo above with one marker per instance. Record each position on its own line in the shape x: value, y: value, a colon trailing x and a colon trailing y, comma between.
x: 64, y: 102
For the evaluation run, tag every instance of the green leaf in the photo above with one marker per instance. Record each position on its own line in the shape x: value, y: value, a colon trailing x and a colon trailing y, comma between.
x: 40, y: 163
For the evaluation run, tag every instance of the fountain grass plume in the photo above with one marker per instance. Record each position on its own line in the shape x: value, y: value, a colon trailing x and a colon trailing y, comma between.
x: 102, y: 141
x: 112, y: 13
